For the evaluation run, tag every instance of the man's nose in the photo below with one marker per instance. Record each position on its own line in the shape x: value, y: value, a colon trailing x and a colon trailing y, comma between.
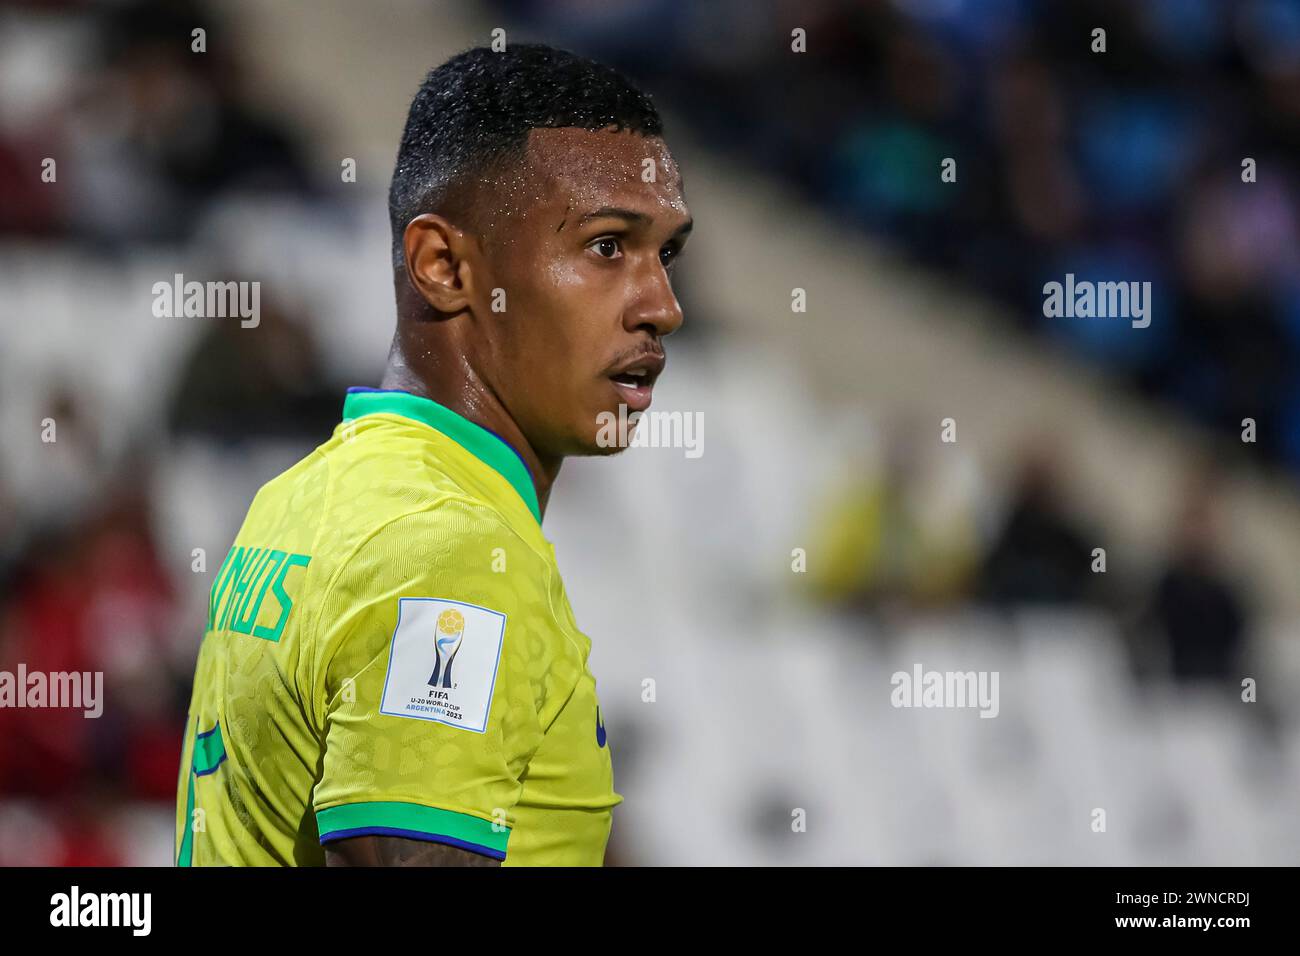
x: 655, y: 308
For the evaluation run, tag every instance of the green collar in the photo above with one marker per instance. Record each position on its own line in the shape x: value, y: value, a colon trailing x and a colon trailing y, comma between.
x: 485, y: 445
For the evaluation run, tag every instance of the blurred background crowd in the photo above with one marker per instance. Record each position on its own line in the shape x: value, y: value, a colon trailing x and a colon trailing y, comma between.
x: 1122, y: 686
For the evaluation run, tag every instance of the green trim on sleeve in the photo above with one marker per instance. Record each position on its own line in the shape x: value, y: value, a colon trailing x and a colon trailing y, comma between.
x: 414, y: 820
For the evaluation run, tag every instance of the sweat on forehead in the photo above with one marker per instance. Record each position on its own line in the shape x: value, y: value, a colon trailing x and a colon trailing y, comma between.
x: 591, y: 167
x: 563, y: 175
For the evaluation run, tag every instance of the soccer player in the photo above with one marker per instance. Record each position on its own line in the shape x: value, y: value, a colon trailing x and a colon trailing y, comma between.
x: 391, y: 672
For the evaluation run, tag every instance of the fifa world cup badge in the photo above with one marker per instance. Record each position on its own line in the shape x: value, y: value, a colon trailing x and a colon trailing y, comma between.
x: 443, y: 662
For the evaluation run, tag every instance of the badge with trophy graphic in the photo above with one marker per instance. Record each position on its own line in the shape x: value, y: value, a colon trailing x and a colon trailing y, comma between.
x: 451, y: 628
x: 443, y: 664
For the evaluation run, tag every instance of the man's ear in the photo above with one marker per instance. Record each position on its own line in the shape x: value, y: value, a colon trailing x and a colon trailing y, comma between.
x: 435, y: 262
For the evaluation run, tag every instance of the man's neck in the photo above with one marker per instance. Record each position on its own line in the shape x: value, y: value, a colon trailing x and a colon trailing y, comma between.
x: 473, y: 400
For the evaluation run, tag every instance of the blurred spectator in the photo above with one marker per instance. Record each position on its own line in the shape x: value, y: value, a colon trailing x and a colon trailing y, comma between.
x: 261, y: 381
x: 890, y: 538
x: 72, y: 466
x: 11, y: 539
x: 1042, y: 555
x: 1194, y: 608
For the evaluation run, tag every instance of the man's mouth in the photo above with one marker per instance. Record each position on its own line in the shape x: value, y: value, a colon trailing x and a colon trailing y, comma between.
x: 634, y: 380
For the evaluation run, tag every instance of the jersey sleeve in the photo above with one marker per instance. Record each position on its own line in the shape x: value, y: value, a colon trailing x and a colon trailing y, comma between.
x: 436, y: 677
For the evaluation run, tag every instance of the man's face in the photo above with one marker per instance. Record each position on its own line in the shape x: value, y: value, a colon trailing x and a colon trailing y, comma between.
x: 583, y: 250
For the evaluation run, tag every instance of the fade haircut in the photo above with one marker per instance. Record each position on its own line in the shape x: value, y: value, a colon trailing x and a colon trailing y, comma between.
x: 472, y: 115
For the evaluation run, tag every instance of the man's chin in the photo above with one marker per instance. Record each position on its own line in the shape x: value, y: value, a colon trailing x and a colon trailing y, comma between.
x: 604, y: 451
x: 613, y: 434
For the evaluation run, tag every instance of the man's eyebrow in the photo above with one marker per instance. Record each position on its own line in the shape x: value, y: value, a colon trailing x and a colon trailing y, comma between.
x: 615, y: 212
x: 632, y: 216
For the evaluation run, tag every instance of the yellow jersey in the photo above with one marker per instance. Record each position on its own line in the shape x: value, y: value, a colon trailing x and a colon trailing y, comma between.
x: 389, y: 650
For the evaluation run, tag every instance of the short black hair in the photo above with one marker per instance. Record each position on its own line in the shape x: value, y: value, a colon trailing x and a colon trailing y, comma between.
x: 475, y: 111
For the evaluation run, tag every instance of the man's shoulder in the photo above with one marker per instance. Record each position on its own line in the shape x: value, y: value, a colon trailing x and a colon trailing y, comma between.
x: 449, y: 541
x: 380, y: 520
x: 388, y: 472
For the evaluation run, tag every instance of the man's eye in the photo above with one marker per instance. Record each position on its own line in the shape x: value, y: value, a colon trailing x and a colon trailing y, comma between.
x: 668, y: 254
x: 606, y: 247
